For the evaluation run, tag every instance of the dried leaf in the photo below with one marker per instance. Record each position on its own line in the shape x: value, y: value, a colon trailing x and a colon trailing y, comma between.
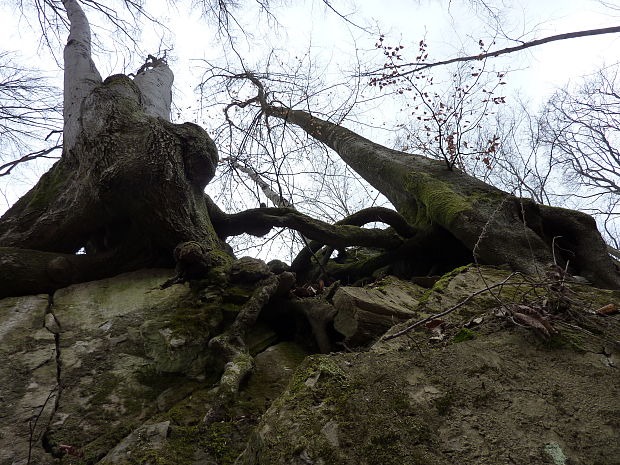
x: 71, y: 450
x: 533, y: 322
x: 434, y: 324
x: 438, y: 328
x: 474, y: 322
x: 304, y: 292
x: 501, y: 311
x: 608, y: 309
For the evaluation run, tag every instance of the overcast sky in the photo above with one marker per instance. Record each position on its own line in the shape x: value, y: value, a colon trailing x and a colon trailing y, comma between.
x: 447, y: 30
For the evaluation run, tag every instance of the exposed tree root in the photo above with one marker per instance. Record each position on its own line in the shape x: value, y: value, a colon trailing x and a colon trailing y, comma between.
x: 232, y: 348
x: 259, y: 221
x: 360, y: 218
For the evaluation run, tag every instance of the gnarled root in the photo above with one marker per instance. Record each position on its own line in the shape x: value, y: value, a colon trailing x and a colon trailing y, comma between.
x: 231, y: 345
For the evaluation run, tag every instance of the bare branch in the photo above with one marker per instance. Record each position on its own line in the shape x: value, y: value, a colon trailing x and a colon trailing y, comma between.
x: 421, y: 66
x: 29, y: 105
x: 6, y: 168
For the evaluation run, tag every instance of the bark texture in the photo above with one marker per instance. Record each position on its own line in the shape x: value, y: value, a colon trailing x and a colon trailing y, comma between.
x: 495, y: 226
x: 130, y: 188
x: 127, y: 190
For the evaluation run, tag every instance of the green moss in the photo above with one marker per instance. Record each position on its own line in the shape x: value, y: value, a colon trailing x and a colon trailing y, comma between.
x: 120, y: 79
x: 221, y: 261
x: 217, y: 441
x: 49, y: 187
x: 126, y: 101
x: 493, y: 196
x: 105, y: 441
x: 179, y: 449
x: 198, y: 321
x: 437, y: 202
x: 316, y: 366
x: 184, y: 442
x: 440, y: 286
x: 464, y: 334
x: 238, y: 294
x: 382, y: 448
x: 567, y: 340
x: 444, y: 404
x: 188, y: 412
x: 103, y: 389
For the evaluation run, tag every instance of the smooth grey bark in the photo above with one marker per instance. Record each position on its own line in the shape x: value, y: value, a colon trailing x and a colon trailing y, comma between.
x: 81, y: 75
x: 272, y: 195
x: 155, y: 84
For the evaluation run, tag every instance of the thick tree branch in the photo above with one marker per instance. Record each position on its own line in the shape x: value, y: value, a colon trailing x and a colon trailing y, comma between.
x: 272, y: 195
x: 380, y: 215
x: 259, y: 221
x: 154, y: 79
x: 26, y: 271
x: 360, y: 218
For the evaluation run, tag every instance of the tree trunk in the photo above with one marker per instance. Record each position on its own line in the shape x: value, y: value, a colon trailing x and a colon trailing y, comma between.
x: 128, y: 191
x: 129, y: 186
x: 496, y: 227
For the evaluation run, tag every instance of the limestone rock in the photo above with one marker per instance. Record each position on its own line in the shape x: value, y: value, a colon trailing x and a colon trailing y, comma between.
x: 364, y: 313
x: 504, y: 396
x: 147, y: 437
x: 137, y: 375
x: 28, y: 386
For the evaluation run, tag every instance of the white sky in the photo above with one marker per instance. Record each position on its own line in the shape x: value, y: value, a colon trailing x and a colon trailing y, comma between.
x: 309, y: 25
x: 446, y: 31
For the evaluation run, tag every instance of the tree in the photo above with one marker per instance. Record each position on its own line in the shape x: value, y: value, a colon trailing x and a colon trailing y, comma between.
x: 129, y: 191
x: 461, y: 215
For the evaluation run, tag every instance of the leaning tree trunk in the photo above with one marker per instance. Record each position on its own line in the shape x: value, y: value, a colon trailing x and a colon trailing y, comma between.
x: 495, y: 226
x: 127, y: 190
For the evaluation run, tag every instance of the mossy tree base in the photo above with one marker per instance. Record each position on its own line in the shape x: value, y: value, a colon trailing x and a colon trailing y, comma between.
x: 126, y: 194
x: 494, y: 226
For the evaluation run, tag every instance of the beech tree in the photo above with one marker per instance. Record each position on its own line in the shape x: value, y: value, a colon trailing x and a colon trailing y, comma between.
x: 129, y: 192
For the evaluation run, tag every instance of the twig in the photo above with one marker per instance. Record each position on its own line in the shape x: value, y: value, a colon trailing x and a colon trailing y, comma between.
x: 419, y: 66
x: 450, y: 310
x: 481, y: 237
x: 555, y: 262
x: 6, y: 168
x: 32, y: 426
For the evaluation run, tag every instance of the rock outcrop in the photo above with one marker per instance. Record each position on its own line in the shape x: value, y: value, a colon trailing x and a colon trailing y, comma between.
x: 120, y: 371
